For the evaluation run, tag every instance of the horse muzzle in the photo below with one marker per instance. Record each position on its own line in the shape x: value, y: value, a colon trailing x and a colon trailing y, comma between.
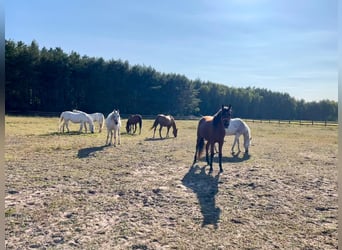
x: 225, y: 123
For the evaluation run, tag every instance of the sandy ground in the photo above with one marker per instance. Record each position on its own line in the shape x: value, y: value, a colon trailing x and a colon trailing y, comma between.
x: 72, y: 192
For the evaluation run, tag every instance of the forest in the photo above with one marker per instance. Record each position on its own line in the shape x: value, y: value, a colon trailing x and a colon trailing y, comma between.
x: 50, y: 80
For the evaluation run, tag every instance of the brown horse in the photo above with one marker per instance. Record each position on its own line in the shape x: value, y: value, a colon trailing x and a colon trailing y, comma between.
x: 132, y: 122
x: 165, y: 121
x: 212, y: 129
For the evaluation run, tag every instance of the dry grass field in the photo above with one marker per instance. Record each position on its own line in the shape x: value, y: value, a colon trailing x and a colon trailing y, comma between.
x: 70, y: 191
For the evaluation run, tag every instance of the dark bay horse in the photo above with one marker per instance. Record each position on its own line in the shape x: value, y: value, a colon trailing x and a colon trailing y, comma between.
x: 212, y: 129
x: 165, y: 121
x: 132, y: 121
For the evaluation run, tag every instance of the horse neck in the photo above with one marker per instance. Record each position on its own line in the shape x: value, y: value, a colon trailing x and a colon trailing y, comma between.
x: 89, y: 120
x: 217, y: 119
x: 247, y: 132
x: 173, y: 124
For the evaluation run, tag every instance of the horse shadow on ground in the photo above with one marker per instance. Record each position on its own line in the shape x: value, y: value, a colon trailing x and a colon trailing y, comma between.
x: 205, y: 186
x: 235, y: 158
x: 65, y: 133
x: 86, y: 152
x: 158, y: 138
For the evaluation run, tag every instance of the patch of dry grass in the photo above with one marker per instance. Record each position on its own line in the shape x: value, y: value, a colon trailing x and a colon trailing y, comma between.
x: 66, y: 191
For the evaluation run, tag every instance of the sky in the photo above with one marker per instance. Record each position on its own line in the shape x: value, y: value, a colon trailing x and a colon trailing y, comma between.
x: 287, y: 46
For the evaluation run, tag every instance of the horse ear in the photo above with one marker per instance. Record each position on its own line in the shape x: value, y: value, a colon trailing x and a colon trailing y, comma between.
x: 229, y: 106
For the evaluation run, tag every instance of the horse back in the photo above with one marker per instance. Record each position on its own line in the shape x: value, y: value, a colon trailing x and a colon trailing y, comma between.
x: 164, y: 120
x: 237, y: 125
x: 135, y: 118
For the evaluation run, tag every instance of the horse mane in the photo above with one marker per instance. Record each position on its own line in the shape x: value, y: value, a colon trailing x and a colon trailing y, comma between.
x: 217, y: 117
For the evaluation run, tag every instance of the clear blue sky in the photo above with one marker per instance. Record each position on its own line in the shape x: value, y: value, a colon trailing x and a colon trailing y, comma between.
x: 282, y: 45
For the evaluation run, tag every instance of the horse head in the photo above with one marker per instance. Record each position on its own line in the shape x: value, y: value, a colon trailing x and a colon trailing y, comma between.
x: 116, y: 116
x: 90, y: 121
x: 223, y: 116
x: 175, y: 132
x: 173, y: 124
x: 91, y: 127
x: 226, y: 115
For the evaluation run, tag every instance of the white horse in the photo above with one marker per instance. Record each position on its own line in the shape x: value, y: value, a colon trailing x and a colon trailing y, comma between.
x: 75, y: 117
x: 97, y: 117
x: 113, y: 124
x: 238, y: 127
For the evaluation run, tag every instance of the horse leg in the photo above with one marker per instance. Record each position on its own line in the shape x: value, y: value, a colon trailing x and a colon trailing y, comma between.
x: 119, y: 137
x: 135, y: 128
x: 212, y: 145
x: 220, y: 155
x: 207, y: 153
x: 237, y: 141
x: 167, y: 132
x: 160, y: 129
x: 107, y: 137
x: 67, y: 126
x: 246, y: 143
x: 233, y: 146
x: 154, y: 132
x: 111, y: 137
x: 114, y: 138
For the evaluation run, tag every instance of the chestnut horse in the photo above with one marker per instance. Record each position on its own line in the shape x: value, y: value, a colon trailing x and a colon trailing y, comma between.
x: 132, y: 122
x: 165, y: 121
x: 212, y: 129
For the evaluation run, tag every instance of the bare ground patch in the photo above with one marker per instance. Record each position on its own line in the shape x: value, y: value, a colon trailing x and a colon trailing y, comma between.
x: 71, y: 191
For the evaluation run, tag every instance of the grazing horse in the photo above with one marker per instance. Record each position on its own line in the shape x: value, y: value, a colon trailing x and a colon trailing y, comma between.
x: 132, y: 122
x: 113, y: 124
x: 238, y: 127
x: 97, y: 117
x: 212, y: 129
x: 165, y: 121
x: 75, y: 117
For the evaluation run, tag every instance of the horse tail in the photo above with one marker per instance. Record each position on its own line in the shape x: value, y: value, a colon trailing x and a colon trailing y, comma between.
x: 61, y: 119
x: 102, y: 118
x: 155, y: 124
x: 140, y: 122
x: 200, y: 147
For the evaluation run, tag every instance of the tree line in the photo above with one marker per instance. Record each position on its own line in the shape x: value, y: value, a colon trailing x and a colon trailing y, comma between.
x: 51, y: 80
